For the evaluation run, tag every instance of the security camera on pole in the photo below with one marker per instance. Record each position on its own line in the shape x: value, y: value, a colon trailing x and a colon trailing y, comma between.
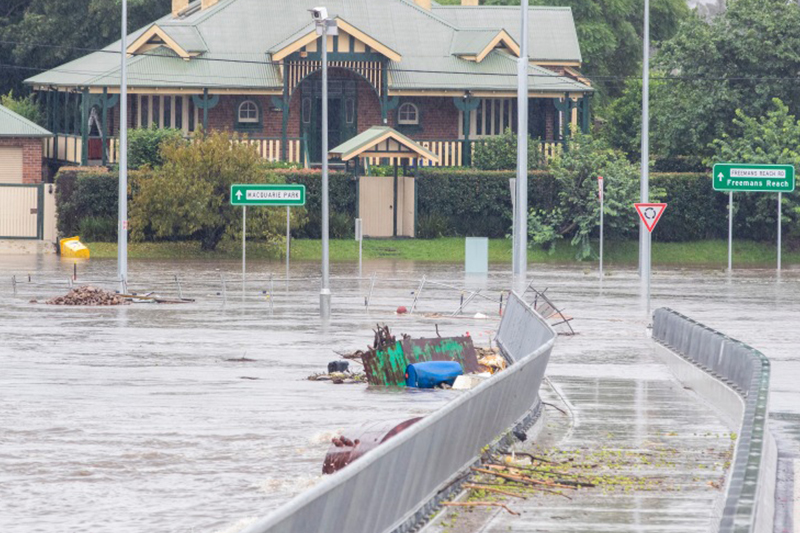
x: 325, y: 27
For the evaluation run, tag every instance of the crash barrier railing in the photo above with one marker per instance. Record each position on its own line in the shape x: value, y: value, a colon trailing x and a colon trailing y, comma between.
x: 750, y: 499
x: 394, y: 486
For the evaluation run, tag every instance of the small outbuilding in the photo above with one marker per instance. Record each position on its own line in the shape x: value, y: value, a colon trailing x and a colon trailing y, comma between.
x: 22, y: 194
x: 386, y: 204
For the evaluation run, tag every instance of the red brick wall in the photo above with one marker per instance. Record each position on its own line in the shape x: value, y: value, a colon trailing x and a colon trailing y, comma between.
x: 32, y: 163
x: 438, y: 118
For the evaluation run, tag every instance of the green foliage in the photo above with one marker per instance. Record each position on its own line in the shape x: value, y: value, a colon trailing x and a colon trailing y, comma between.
x: 24, y: 106
x: 98, y: 229
x: 610, y: 33
x: 341, y: 226
x: 341, y: 196
x: 69, y: 26
x: 770, y: 139
x: 576, y: 213
x: 189, y: 195
x: 474, y: 202
x: 144, y: 145
x: 84, y: 194
x: 500, y: 153
x: 740, y: 59
x: 432, y: 226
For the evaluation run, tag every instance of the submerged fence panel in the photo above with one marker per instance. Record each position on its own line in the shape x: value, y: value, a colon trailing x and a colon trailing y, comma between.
x: 391, y: 484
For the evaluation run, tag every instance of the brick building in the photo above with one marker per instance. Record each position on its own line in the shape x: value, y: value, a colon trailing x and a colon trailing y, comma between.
x: 443, y: 75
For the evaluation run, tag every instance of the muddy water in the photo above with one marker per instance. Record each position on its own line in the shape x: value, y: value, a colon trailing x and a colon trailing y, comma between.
x: 133, y: 419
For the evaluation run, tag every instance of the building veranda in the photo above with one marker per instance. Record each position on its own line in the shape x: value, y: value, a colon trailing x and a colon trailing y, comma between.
x: 445, y: 76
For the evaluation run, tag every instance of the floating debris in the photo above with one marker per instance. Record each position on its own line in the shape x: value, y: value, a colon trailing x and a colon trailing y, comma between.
x: 88, y: 295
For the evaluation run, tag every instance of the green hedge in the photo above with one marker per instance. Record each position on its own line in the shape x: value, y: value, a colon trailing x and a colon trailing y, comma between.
x: 469, y: 202
x: 450, y: 202
x: 87, y: 202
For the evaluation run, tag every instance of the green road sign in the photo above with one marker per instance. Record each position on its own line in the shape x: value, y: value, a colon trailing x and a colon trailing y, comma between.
x: 753, y: 178
x: 268, y: 195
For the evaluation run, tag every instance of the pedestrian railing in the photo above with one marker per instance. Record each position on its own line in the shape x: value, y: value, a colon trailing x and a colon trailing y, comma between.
x: 750, y: 498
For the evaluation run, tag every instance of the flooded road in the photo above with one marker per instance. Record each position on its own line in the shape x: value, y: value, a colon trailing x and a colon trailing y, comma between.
x: 133, y: 418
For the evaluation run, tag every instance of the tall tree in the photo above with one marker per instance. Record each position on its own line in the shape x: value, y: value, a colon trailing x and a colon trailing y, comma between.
x: 42, y: 34
x: 742, y: 59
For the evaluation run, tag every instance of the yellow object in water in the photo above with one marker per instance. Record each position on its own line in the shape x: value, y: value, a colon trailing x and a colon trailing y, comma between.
x: 74, y: 248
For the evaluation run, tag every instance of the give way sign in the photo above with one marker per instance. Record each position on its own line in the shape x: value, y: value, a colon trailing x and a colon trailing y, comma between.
x: 650, y: 214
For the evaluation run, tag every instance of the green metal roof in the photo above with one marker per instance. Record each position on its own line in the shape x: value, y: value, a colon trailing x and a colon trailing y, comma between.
x: 14, y: 125
x: 235, y: 37
x: 375, y: 135
x: 551, y: 35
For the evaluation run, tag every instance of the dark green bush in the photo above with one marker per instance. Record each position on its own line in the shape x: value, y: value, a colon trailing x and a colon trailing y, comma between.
x: 83, y: 193
x: 432, y: 226
x: 98, y: 229
x: 144, y: 146
x: 342, y: 199
x: 500, y: 153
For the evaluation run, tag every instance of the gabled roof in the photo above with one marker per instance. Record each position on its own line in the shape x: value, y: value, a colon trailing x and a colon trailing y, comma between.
x: 382, y: 141
x: 551, y: 35
x: 229, y: 45
x: 476, y: 44
x: 308, y: 34
x: 14, y: 125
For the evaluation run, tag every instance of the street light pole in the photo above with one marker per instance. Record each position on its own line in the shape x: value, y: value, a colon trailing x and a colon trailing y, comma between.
x: 521, y: 206
x: 122, y: 229
x: 325, y: 293
x: 644, y: 234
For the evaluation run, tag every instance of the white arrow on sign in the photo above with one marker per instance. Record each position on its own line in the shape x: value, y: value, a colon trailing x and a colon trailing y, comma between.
x: 720, y: 175
x: 650, y: 214
x: 238, y: 195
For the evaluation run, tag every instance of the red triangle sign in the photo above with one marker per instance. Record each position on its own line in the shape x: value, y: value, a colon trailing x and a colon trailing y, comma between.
x: 650, y: 214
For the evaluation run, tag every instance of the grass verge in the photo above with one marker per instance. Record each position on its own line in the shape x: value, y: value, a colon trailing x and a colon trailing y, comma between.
x: 688, y: 254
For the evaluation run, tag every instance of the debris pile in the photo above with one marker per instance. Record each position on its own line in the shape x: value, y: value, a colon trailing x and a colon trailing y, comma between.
x: 88, y: 295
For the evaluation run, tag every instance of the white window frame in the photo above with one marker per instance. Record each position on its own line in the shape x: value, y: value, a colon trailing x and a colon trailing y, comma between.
x: 408, y: 121
x: 248, y: 119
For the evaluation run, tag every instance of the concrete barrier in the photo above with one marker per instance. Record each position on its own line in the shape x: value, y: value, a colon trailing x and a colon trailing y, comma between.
x: 735, y: 379
x: 393, y: 486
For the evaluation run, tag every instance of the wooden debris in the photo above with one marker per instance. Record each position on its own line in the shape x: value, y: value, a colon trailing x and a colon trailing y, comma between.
x: 88, y: 295
x: 480, y: 504
x: 489, y: 488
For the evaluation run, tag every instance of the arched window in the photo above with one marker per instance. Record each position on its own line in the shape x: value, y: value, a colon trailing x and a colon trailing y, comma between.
x: 408, y: 114
x: 248, y: 111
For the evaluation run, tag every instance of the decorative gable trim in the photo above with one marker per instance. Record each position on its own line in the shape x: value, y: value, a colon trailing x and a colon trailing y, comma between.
x: 502, y: 38
x: 154, y: 37
x: 345, y: 27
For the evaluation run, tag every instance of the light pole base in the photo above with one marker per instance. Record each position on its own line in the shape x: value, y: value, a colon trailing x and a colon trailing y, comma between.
x: 325, y: 303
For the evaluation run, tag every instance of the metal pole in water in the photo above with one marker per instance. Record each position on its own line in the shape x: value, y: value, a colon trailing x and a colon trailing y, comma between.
x: 244, y: 246
x: 644, y: 233
x: 521, y: 226
x: 600, y: 180
x: 325, y: 293
x: 730, y: 231
x: 288, y: 240
x: 122, y: 229
x: 780, y: 197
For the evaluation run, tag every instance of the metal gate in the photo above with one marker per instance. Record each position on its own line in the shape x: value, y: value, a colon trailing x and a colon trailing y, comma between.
x: 21, y: 211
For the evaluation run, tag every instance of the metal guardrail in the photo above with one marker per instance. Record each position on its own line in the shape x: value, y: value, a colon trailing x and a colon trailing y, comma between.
x: 749, y: 503
x: 392, y: 486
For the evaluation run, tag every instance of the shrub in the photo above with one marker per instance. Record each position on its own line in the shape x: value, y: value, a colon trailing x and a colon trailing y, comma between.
x: 144, y: 146
x: 24, y: 106
x: 500, y: 153
x: 84, y: 193
x: 189, y: 195
x: 342, y: 199
x: 431, y: 226
x: 98, y: 229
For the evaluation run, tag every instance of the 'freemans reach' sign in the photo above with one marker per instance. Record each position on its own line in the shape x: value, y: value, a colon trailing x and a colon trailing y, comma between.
x: 753, y: 178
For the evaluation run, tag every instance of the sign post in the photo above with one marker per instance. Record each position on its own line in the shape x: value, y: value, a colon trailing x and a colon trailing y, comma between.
x: 244, y: 194
x: 730, y: 177
x: 600, y: 194
x: 650, y: 215
x: 360, y: 239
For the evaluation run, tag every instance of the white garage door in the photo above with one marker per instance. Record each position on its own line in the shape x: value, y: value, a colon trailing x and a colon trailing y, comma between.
x: 10, y: 164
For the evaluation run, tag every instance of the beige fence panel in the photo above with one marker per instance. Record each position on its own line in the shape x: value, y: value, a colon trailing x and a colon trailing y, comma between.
x: 19, y: 206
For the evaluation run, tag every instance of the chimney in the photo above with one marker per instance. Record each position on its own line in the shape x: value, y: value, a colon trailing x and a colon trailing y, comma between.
x: 205, y: 4
x: 424, y: 4
x: 178, y: 6
x: 470, y: 2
